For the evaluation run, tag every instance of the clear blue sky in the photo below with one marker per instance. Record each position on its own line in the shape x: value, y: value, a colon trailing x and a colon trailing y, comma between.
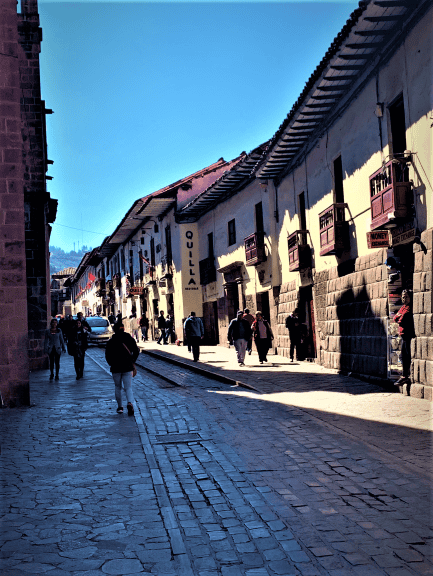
x: 145, y: 93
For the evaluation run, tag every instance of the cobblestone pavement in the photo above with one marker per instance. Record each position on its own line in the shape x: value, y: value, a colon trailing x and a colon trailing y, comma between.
x: 208, y: 479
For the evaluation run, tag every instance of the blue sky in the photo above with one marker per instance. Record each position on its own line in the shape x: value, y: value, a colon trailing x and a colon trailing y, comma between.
x: 145, y: 93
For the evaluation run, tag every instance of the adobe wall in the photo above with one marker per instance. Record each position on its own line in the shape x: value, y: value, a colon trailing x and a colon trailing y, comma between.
x: 14, y: 364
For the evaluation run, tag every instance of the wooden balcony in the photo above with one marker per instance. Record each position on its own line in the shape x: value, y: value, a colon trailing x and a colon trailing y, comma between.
x: 255, y: 249
x: 390, y: 194
x: 299, y: 250
x: 100, y: 283
x: 333, y: 230
x: 207, y: 271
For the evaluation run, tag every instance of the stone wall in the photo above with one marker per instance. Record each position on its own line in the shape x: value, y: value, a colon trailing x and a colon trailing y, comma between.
x: 350, y: 304
x: 422, y: 345
x: 352, y: 334
x: 287, y: 302
x: 39, y: 208
x: 14, y: 365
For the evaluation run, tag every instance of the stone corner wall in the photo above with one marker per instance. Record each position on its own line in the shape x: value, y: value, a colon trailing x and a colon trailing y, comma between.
x: 422, y: 345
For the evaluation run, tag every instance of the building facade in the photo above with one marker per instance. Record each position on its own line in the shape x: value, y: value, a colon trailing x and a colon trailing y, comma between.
x: 333, y: 215
x: 26, y: 207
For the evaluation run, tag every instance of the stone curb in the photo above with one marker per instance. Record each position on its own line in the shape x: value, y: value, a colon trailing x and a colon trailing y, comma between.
x: 194, y: 368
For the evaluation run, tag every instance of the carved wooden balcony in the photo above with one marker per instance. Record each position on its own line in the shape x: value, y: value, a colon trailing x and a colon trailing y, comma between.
x: 299, y: 250
x: 255, y: 249
x: 390, y: 194
x: 333, y: 230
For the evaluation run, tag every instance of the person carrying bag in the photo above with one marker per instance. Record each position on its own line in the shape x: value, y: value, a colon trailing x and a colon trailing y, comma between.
x: 121, y: 353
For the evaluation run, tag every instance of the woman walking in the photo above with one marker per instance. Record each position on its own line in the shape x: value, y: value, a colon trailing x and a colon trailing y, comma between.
x: 121, y: 353
x: 78, y: 343
x: 404, y: 318
x: 263, y: 336
x: 54, y: 345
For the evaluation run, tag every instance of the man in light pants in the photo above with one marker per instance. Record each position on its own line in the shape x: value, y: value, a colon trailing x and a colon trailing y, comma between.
x: 239, y: 333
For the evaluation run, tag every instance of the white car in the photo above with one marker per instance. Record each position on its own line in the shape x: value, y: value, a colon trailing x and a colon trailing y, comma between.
x: 101, y: 329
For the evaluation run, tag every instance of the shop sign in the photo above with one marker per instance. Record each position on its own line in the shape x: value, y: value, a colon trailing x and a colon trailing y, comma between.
x: 404, y: 234
x: 84, y: 302
x: 378, y: 239
x: 136, y: 290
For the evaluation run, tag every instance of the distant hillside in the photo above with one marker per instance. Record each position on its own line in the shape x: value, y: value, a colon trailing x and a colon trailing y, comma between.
x: 60, y: 259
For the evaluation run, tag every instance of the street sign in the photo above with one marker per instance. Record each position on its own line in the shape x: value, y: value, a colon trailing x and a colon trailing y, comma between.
x: 404, y: 234
x: 378, y: 239
x: 136, y: 290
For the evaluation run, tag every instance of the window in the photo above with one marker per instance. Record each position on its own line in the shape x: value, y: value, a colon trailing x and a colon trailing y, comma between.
x: 301, y: 211
x: 210, y: 245
x: 232, y: 232
x: 168, y: 245
x: 338, y: 181
x: 259, y: 217
x: 398, y: 125
x: 152, y: 252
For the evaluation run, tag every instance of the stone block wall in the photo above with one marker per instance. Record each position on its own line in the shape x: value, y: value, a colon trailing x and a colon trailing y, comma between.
x: 39, y: 209
x: 14, y: 364
x: 422, y: 345
x: 287, y: 302
x: 350, y: 312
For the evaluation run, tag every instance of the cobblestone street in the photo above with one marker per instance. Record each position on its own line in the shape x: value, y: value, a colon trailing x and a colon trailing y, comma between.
x: 213, y: 479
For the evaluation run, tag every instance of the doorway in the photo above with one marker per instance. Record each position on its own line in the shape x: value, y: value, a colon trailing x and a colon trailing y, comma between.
x: 263, y: 305
x: 306, y: 314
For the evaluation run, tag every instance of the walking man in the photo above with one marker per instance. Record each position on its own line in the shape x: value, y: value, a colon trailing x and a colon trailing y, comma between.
x: 194, y: 332
x: 239, y: 333
x: 161, y: 328
x: 120, y: 353
x: 293, y: 325
x: 250, y: 319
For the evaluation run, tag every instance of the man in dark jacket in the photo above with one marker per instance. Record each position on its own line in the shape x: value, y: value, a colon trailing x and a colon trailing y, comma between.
x: 239, y: 333
x: 161, y: 327
x: 120, y: 353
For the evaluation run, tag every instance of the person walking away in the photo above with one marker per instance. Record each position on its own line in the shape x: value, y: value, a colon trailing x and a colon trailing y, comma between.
x: 293, y: 325
x: 161, y: 327
x: 263, y: 336
x: 144, y: 325
x: 404, y: 318
x: 239, y: 333
x: 120, y: 353
x: 134, y: 326
x: 169, y: 329
x: 250, y: 319
x: 68, y: 324
x: 77, y: 346
x: 194, y: 332
x: 84, y: 323
x: 54, y: 345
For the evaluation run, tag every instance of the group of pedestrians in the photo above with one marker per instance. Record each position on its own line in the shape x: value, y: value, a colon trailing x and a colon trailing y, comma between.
x: 165, y: 327
x: 243, y: 329
x: 72, y: 334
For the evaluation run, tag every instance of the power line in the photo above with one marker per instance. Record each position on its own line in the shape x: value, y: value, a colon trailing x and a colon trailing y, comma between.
x: 80, y: 229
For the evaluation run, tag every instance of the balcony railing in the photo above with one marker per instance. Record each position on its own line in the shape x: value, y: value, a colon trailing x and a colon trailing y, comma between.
x: 255, y: 249
x: 333, y: 230
x: 207, y: 271
x: 100, y: 283
x: 299, y: 250
x: 390, y: 194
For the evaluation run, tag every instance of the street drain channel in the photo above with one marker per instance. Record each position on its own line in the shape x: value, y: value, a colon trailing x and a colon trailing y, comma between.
x: 177, y: 438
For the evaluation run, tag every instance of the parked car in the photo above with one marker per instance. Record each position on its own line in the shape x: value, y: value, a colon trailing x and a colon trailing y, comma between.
x: 101, y: 329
